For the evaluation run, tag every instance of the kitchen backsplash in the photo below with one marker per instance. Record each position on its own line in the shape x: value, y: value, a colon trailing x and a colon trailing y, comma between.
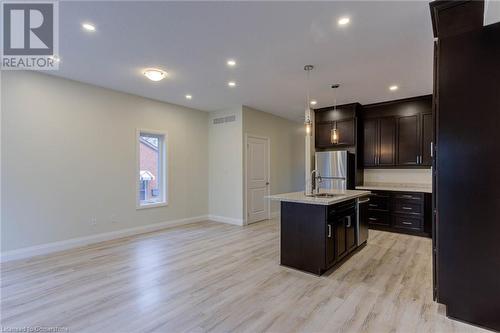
x: 412, y: 176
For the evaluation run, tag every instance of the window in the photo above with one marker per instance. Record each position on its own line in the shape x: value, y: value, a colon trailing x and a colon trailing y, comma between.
x: 151, y: 171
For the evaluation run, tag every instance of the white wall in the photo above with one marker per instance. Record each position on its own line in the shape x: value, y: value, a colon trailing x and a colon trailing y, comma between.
x: 491, y: 12
x: 287, y: 149
x: 412, y: 176
x: 68, y: 154
x: 225, y: 196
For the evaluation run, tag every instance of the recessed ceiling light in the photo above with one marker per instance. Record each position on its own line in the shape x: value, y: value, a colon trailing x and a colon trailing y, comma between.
x: 189, y: 96
x: 231, y: 84
x: 231, y: 62
x: 88, y: 27
x: 343, y: 21
x: 393, y: 88
x: 155, y: 74
x: 313, y: 102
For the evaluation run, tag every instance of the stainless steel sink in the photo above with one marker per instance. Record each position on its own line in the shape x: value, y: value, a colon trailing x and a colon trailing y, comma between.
x: 325, y: 195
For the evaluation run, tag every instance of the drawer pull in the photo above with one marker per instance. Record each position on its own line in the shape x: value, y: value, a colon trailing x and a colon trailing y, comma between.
x: 408, y: 223
x: 372, y: 219
x: 407, y: 208
x: 373, y: 205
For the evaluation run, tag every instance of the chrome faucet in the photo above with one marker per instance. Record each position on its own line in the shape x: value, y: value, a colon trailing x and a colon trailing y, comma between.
x: 317, y: 180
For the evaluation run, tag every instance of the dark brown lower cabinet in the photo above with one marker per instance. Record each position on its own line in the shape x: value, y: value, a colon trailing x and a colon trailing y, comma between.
x: 403, y: 212
x: 315, y: 238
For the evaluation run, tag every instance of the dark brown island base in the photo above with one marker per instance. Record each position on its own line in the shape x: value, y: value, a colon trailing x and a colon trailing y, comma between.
x: 321, y: 232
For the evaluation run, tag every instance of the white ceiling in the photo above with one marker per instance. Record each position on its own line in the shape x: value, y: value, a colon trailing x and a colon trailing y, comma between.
x: 386, y: 43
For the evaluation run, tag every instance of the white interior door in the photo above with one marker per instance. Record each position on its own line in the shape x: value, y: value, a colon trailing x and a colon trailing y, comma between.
x: 257, y: 179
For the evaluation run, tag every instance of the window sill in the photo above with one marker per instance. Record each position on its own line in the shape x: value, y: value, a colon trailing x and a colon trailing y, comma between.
x: 151, y: 205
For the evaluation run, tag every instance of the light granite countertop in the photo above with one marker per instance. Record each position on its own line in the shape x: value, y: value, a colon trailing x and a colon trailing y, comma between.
x: 403, y: 187
x: 300, y: 197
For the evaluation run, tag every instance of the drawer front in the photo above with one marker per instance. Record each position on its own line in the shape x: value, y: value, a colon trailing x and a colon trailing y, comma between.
x: 377, y: 218
x: 406, y: 222
x: 408, y: 207
x: 409, y: 196
x: 378, y: 203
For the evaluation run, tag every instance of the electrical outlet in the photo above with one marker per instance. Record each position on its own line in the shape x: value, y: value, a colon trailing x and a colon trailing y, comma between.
x: 93, y: 221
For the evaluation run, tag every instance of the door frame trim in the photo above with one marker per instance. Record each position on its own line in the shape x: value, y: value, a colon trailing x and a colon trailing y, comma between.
x: 245, y: 194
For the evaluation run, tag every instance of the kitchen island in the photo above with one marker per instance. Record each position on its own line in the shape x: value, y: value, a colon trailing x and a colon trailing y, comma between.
x: 320, y: 232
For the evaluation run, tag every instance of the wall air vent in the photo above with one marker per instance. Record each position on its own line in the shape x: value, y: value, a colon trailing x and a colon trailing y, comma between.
x: 222, y: 120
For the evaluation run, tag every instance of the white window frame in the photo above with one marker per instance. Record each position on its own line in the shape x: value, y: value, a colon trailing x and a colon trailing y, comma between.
x: 162, y: 168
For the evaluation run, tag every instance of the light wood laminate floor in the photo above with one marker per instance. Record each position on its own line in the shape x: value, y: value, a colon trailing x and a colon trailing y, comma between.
x: 211, y: 277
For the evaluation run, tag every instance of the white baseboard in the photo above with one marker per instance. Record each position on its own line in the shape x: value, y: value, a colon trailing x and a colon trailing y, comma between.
x: 47, y: 248
x: 275, y: 214
x: 224, y: 219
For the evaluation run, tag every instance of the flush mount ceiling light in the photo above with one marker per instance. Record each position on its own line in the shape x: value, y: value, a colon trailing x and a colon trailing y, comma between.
x: 155, y: 74
x: 343, y: 21
x: 231, y: 62
x: 88, y: 26
x: 314, y: 102
x: 393, y: 88
x: 189, y: 96
x: 231, y: 84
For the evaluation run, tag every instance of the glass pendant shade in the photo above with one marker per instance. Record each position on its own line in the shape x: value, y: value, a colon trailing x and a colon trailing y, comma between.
x: 307, y: 121
x: 334, y: 136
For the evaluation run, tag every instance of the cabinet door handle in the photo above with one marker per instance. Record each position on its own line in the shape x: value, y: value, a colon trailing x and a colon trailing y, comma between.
x: 329, y: 231
x: 432, y: 149
x: 348, y: 222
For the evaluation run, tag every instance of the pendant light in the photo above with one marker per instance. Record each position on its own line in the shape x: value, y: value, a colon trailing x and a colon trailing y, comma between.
x: 334, y: 135
x: 307, y: 114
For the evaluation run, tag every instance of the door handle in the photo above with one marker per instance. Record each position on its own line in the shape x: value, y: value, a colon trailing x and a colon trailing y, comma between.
x: 267, y: 183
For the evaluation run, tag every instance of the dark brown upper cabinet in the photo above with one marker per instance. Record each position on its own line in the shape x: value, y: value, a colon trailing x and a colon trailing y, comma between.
x: 427, y: 139
x: 323, y: 131
x: 346, y: 132
x: 398, y: 133
x: 379, y: 142
x: 408, y: 150
x: 387, y: 144
x: 343, y: 118
x: 370, y: 142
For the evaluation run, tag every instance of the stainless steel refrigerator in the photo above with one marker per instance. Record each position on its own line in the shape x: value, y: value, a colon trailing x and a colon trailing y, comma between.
x: 334, y: 169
